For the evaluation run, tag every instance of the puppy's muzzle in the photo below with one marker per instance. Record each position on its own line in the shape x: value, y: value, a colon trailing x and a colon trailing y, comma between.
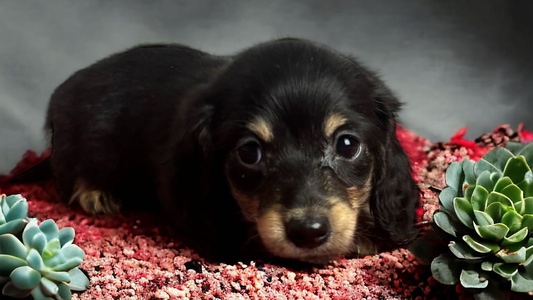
x: 308, y: 233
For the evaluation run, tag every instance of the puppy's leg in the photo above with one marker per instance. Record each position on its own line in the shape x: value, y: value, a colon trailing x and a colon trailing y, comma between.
x: 94, y: 200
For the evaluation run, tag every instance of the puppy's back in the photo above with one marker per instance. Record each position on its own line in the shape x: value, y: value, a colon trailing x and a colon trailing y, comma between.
x: 108, y: 121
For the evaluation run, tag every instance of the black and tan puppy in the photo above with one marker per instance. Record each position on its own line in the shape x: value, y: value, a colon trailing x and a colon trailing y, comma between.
x: 288, y: 147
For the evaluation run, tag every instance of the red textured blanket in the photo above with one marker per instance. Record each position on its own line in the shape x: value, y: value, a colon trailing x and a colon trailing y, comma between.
x: 134, y: 256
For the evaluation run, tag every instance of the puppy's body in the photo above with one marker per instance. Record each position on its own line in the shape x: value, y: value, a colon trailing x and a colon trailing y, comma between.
x: 111, y: 120
x: 287, y: 147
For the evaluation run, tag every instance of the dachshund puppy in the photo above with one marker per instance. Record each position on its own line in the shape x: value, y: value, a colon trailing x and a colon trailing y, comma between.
x: 286, y: 149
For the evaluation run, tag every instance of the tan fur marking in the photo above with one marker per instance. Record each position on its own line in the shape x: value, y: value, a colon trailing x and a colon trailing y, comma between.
x: 249, y: 205
x: 333, y: 121
x: 262, y: 129
x: 358, y: 195
x: 302, y: 213
x: 343, y: 221
x: 94, y: 201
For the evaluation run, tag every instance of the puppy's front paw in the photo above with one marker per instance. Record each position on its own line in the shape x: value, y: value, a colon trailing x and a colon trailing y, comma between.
x: 93, y: 200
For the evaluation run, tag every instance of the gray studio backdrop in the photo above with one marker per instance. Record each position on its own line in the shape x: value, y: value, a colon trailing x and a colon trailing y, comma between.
x: 454, y: 63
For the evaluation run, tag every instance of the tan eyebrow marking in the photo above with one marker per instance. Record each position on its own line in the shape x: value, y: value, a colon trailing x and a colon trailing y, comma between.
x: 262, y: 129
x: 333, y: 121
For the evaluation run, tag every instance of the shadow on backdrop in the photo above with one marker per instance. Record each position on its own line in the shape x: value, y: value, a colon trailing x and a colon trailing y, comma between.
x: 454, y: 63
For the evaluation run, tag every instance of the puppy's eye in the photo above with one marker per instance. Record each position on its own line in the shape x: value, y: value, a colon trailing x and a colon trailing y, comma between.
x: 250, y: 153
x: 347, y: 146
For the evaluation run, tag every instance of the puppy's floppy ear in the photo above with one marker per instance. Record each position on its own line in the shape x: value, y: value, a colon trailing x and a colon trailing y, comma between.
x: 200, y: 131
x: 395, y: 192
x: 193, y: 124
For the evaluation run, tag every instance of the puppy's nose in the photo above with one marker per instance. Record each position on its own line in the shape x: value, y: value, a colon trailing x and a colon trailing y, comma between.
x: 308, y: 233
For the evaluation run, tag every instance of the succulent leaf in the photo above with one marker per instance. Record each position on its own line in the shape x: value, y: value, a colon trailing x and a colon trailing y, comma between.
x: 454, y: 176
x: 479, y: 197
x: 49, y: 228
x: 487, y: 266
x: 13, y: 211
x: 513, y: 192
x: 528, y: 206
x: 51, y: 249
x: 494, y: 161
x: 10, y: 245
x: 48, y: 287
x: 64, y: 290
x: 502, y: 183
x: 513, y: 220
x: 29, y: 232
x: 25, y: 278
x: 496, y: 197
x: 13, y: 227
x: 9, y: 263
x: 69, y: 264
x: 482, y: 218
x: 527, y: 221
x: 469, y: 191
x: 473, y: 279
x: 526, y: 185
x: 445, y: 269
x: 72, y: 251
x: 484, y: 181
x: 516, y: 168
x: 513, y: 257
x: 492, y: 292
x: 442, y: 220
x: 463, y: 251
x: 494, y: 232
x: 38, y: 242
x: 446, y: 199
x: 19, y: 210
x: 38, y: 294
x: 518, y: 237
x: 515, y: 147
x: 529, y: 255
x: 11, y: 290
x: 35, y: 260
x: 66, y: 236
x: 496, y: 210
x: 79, y: 282
x: 519, y: 283
x: 468, y: 169
x: 479, y: 246
x: 505, y: 270
x: 57, y: 276
x: 495, y: 177
x: 527, y: 152
x: 528, y: 266
x: 464, y: 211
x: 57, y: 260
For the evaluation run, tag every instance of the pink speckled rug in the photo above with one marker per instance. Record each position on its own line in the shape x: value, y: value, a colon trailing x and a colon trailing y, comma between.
x: 134, y: 256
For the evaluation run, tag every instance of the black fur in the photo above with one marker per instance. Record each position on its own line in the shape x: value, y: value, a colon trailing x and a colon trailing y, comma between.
x: 163, y: 122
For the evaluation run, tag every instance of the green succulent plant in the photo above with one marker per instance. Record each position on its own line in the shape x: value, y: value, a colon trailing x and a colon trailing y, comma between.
x: 486, y: 220
x: 42, y: 261
x: 13, y: 213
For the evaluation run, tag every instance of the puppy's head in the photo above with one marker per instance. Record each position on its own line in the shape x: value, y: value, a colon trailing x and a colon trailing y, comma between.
x: 309, y: 151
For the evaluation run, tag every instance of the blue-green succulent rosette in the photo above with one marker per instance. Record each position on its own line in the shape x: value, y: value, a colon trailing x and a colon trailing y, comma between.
x: 43, y: 262
x: 13, y: 214
x: 486, y: 223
